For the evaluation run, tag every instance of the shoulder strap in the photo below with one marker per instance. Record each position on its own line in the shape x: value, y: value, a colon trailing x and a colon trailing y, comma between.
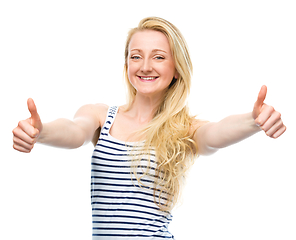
x: 111, y: 114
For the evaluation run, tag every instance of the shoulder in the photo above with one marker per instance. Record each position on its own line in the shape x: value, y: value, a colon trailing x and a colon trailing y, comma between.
x: 199, y: 131
x: 101, y: 107
x: 196, y: 124
x: 97, y: 112
x: 101, y: 110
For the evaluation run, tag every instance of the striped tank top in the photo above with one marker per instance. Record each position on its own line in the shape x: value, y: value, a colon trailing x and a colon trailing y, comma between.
x: 121, y: 208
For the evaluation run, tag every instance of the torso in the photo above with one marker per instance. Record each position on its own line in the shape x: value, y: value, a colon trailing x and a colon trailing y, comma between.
x: 123, y: 207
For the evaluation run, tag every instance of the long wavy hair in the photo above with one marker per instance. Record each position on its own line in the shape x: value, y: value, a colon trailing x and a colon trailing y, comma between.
x: 169, y: 132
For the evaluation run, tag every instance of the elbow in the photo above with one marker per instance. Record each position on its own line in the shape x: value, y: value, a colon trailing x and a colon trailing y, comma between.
x: 207, y: 151
x: 204, y: 149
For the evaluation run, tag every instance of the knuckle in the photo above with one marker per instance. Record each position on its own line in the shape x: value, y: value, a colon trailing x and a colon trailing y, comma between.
x: 278, y: 115
x: 15, y: 139
x: 270, y: 134
x: 21, y: 123
x: 281, y: 122
x: 35, y: 133
x: 14, y: 131
x: 270, y: 108
x: 258, y: 122
x: 17, y: 148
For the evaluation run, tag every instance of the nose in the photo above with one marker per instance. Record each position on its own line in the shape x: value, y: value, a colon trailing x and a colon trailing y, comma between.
x: 146, y: 66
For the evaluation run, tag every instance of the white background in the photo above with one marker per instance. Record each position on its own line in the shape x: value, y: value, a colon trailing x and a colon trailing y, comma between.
x: 65, y: 54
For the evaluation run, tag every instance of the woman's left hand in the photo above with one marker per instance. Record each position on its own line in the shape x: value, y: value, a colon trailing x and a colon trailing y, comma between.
x: 266, y: 117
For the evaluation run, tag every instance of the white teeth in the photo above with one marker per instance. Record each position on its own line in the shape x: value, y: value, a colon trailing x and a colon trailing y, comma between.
x: 148, y: 78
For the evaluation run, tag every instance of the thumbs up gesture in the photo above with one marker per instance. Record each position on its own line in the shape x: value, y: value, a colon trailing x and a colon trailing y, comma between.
x: 266, y: 117
x: 25, y: 135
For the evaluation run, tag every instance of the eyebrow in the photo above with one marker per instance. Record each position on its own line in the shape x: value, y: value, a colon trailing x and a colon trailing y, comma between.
x: 154, y: 50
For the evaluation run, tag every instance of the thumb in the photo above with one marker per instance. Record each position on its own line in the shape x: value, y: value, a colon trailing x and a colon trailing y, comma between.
x: 35, y: 118
x: 260, y: 101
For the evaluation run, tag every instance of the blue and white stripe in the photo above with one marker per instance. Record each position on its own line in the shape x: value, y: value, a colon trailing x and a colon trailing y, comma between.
x: 121, y: 209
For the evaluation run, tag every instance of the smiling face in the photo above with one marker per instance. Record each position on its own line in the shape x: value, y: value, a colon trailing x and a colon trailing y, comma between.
x: 150, y: 64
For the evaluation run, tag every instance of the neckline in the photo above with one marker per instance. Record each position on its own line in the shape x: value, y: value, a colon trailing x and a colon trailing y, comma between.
x: 125, y: 142
x: 116, y: 139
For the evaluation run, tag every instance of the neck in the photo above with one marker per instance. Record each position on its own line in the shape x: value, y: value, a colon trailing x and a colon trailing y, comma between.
x: 143, y: 108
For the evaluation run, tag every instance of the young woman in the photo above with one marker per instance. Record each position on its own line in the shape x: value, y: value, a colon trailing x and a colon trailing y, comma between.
x: 144, y: 148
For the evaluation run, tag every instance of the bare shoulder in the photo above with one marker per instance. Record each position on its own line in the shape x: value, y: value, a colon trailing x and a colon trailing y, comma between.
x: 101, y: 110
x: 94, y: 112
x: 197, y: 124
x: 199, y: 130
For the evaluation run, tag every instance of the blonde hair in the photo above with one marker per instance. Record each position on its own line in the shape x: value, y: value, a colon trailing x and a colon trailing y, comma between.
x: 169, y: 130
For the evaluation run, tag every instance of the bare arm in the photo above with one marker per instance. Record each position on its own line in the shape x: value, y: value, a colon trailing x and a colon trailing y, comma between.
x: 212, y: 136
x: 74, y: 133
x: 61, y: 132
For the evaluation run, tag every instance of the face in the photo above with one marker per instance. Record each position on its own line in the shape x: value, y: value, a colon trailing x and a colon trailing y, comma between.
x: 151, y: 66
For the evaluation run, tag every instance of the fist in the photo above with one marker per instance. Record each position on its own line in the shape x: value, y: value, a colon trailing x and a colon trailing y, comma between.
x: 266, y: 117
x: 25, y: 135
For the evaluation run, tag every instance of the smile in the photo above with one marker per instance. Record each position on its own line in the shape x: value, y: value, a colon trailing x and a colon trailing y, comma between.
x: 147, y: 78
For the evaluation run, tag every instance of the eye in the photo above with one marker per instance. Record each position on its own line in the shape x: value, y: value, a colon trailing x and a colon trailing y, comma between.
x: 159, y: 57
x: 135, y: 57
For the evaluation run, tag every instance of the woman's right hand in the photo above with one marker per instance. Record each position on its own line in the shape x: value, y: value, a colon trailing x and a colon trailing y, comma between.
x: 25, y: 135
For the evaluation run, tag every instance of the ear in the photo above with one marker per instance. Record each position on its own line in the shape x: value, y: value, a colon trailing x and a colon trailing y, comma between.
x: 176, y: 74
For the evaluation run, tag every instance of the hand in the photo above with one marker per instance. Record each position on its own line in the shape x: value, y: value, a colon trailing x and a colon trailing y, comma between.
x: 25, y: 135
x: 266, y: 117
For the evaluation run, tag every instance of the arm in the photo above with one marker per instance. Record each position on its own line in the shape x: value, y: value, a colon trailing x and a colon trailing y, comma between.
x: 66, y: 133
x: 59, y: 133
x: 213, y: 136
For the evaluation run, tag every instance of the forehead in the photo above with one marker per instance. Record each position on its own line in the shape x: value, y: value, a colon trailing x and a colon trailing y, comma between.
x: 149, y: 40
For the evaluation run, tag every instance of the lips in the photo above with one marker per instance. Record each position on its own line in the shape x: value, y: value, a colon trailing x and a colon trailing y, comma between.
x: 147, y: 78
